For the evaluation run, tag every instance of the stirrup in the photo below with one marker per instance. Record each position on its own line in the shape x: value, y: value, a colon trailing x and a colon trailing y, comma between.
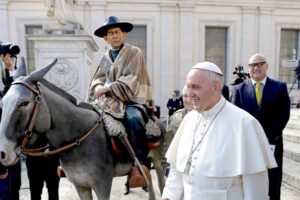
x: 136, y: 178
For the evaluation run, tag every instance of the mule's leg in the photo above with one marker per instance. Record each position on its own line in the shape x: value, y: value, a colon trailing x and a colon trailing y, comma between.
x: 84, y: 193
x: 103, y: 188
x: 151, y: 192
x: 160, y: 174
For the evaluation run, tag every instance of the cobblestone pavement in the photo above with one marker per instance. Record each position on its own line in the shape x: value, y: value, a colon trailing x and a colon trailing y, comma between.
x: 68, y: 192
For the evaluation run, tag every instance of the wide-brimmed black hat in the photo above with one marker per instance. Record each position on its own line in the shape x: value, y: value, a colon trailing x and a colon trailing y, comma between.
x: 112, y: 22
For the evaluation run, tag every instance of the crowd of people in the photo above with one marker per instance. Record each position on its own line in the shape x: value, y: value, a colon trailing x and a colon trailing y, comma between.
x: 221, y: 147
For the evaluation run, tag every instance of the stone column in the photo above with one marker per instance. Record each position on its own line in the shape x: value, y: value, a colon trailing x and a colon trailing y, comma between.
x: 74, y: 51
x: 266, y: 41
x: 187, y: 33
x: 167, y: 52
x: 3, y: 21
x: 249, y: 33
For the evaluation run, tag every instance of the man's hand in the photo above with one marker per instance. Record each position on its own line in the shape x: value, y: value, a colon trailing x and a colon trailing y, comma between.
x: 100, y: 93
x: 4, y: 176
x: 8, y: 60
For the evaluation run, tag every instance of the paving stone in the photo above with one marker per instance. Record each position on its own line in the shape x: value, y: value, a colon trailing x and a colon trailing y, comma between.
x: 292, y: 150
x: 291, y: 173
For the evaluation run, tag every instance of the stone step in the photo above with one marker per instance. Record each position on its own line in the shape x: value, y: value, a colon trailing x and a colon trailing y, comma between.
x: 292, y: 151
x: 291, y: 173
x: 293, y: 125
x: 291, y: 135
x: 289, y: 193
x: 295, y: 113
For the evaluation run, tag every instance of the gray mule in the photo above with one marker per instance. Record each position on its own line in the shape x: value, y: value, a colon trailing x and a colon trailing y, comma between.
x: 90, y: 165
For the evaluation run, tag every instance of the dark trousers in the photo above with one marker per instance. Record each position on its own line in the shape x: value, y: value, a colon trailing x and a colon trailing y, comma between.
x: 275, y: 178
x: 135, y: 121
x: 10, y: 187
x: 40, y: 170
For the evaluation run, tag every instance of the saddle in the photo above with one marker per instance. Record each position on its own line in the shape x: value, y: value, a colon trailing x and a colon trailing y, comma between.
x: 116, y: 129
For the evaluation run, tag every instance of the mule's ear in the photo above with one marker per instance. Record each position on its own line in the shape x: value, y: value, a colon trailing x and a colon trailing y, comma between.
x: 21, y: 69
x: 39, y: 74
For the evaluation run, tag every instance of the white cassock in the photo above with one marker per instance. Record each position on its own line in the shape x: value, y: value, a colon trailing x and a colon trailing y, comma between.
x: 230, y: 158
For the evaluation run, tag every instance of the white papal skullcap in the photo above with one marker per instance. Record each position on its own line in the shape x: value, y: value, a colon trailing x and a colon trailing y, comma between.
x: 209, y: 67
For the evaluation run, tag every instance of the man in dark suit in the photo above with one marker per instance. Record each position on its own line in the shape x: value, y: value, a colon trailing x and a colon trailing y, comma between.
x: 268, y: 101
x: 173, y: 104
x: 225, y: 92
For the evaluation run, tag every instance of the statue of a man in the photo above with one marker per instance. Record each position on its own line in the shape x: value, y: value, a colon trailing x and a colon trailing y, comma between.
x: 63, y: 11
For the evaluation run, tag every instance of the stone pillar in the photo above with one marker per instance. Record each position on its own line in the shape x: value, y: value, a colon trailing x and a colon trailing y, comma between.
x: 167, y: 49
x: 3, y: 21
x: 74, y: 50
x: 249, y: 33
x: 186, y: 40
x: 266, y: 44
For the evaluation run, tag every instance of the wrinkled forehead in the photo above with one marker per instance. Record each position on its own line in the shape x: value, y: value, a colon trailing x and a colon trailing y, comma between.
x: 257, y: 58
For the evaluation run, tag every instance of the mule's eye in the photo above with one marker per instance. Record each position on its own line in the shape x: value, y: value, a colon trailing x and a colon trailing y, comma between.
x: 25, y: 103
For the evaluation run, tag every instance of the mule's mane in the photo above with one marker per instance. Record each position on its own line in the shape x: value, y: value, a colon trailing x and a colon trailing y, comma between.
x: 59, y: 91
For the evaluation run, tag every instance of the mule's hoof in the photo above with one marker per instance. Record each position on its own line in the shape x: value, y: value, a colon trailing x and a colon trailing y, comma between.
x: 126, y: 189
x: 145, y: 189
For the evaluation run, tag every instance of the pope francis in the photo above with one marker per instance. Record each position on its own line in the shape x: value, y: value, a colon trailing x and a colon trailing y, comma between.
x: 219, y: 152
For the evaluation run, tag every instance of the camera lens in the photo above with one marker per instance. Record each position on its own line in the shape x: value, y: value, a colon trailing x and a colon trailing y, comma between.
x: 14, y: 50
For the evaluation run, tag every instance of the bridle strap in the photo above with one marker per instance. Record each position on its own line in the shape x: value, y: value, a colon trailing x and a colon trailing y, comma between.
x: 77, y: 142
x: 34, y: 90
x: 37, y: 103
x: 28, y: 133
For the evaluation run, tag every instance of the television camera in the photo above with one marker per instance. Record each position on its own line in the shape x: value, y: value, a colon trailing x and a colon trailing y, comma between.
x: 8, y: 48
x: 241, y: 75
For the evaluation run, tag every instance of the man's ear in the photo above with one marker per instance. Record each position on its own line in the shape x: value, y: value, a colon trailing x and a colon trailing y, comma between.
x: 124, y: 34
x: 105, y: 38
x: 218, y: 86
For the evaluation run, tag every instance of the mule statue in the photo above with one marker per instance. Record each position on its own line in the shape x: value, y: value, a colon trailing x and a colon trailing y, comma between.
x: 34, y: 106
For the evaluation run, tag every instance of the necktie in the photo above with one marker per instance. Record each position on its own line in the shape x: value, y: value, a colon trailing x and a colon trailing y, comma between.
x: 258, y: 92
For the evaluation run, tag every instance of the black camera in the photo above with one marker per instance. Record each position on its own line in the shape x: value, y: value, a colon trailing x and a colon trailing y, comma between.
x: 11, y: 49
x: 241, y: 75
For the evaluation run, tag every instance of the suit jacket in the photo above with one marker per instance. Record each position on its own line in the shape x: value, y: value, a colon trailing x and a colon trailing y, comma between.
x: 174, y: 106
x: 273, y: 112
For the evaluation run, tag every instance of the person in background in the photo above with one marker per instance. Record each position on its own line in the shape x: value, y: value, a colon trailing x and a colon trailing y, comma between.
x: 42, y: 169
x: 268, y: 101
x: 173, y: 104
x: 298, y: 104
x: 10, y: 178
x: 225, y: 92
x: 176, y: 119
x: 178, y: 116
x: 219, y: 151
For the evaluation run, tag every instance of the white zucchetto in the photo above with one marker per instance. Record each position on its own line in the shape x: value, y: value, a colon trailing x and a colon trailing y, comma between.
x: 209, y: 67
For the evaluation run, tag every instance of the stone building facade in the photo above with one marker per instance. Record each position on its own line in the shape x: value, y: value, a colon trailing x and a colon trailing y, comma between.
x: 175, y: 34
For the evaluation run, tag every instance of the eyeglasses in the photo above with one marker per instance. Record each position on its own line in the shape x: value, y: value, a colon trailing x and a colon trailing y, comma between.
x: 259, y: 65
x: 112, y: 33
